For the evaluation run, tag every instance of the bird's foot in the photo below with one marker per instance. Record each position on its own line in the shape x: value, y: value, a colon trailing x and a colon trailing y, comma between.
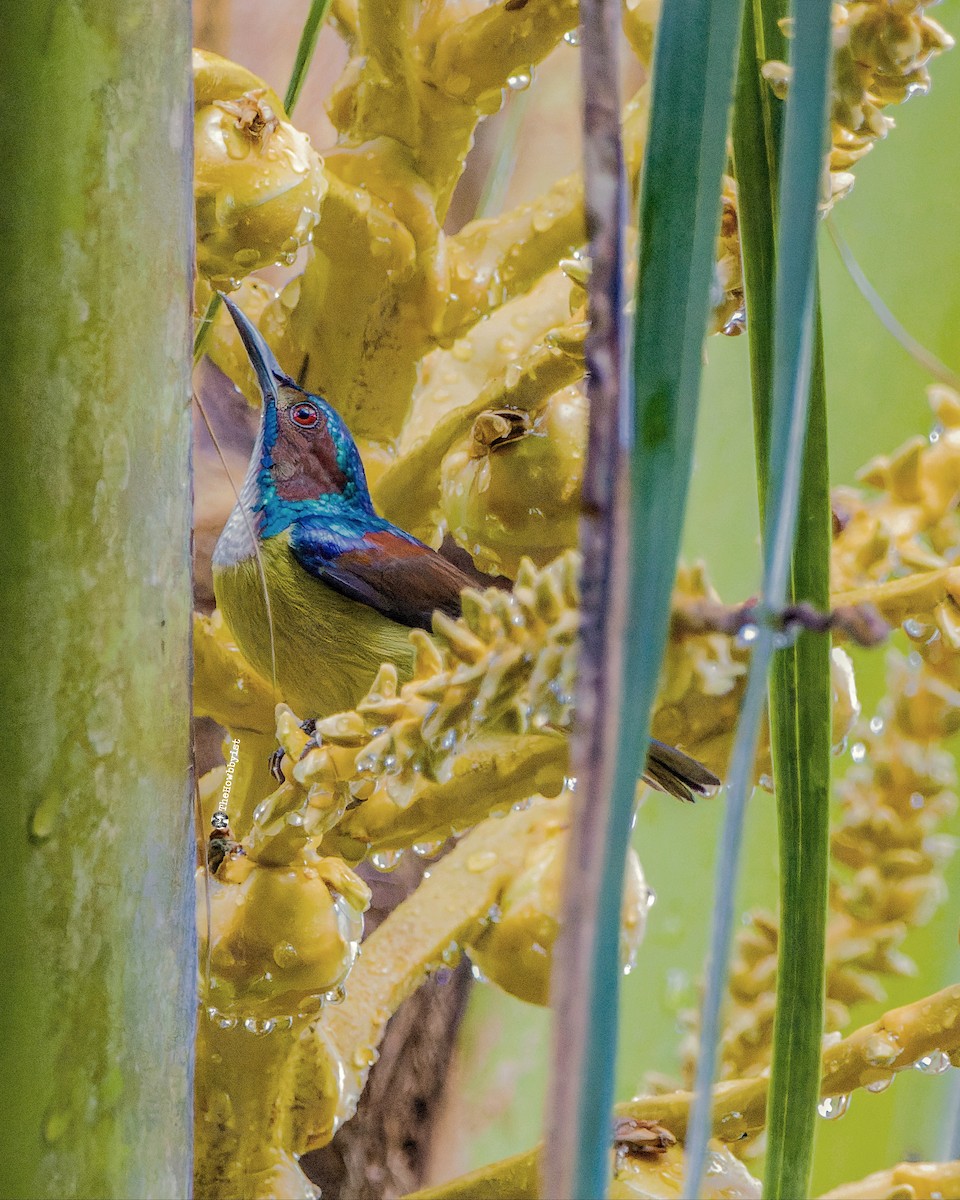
x: 309, y: 727
x: 276, y: 758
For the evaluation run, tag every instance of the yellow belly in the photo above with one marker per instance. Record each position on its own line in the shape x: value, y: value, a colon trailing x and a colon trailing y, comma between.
x: 328, y: 648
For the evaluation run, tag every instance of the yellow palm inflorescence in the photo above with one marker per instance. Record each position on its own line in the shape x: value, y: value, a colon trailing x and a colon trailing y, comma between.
x: 457, y: 360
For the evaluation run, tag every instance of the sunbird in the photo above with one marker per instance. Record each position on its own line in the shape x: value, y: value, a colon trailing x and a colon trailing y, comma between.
x: 344, y: 586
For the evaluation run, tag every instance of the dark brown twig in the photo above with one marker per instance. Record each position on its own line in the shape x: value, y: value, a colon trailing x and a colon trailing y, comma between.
x: 859, y: 623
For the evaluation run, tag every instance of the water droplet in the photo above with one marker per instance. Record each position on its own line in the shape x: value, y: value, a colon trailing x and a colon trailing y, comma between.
x: 880, y: 1050
x: 880, y: 1085
x: 520, y: 81
x: 427, y: 849
x: 916, y: 800
x: 285, y: 954
x: 916, y: 629
x: 259, y: 1026
x: 732, y: 1127
x: 478, y: 974
x: 833, y: 1107
x: 934, y: 1063
x: 44, y: 819
x: 747, y: 636
x: 876, y: 724
x: 858, y: 752
x: 386, y: 860
x: 336, y: 995
x: 572, y: 37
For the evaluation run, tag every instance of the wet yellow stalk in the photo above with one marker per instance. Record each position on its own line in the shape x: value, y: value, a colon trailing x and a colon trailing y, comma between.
x: 890, y: 1044
x: 906, y: 1181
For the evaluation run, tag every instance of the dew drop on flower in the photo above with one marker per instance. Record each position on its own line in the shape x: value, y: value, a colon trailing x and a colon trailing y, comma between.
x: 833, y: 1107
x: 572, y: 37
x: 934, y: 1063
x: 747, y: 636
x: 427, y: 849
x: 386, y: 860
x: 520, y: 81
x: 858, y: 752
x: 285, y: 954
x: 881, y: 1049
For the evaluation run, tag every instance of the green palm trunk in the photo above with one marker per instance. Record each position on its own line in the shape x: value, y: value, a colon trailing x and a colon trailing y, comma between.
x: 97, y: 962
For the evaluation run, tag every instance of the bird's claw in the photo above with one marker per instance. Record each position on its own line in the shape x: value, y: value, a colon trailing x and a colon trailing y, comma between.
x: 276, y: 758
x: 309, y: 727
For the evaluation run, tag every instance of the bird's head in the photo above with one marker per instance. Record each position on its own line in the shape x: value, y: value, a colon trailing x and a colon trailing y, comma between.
x: 306, y: 451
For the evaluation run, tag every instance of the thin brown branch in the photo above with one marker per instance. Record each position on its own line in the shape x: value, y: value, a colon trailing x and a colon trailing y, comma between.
x: 859, y: 623
x: 603, y: 544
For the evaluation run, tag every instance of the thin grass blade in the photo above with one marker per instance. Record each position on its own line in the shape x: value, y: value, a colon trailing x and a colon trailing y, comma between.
x: 680, y: 208
x: 308, y: 43
x: 785, y: 377
x: 801, y: 737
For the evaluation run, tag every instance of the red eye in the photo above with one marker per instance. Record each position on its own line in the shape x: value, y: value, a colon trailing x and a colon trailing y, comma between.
x: 305, y: 415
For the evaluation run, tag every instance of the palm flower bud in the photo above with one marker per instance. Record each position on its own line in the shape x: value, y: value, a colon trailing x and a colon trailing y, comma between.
x: 512, y: 487
x: 650, y: 1166
x: 726, y: 295
x: 258, y: 182
x: 279, y: 935
x: 515, y: 949
x: 882, y: 49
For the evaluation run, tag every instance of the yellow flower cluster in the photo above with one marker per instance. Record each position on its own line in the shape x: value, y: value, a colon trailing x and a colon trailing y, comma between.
x: 882, y: 49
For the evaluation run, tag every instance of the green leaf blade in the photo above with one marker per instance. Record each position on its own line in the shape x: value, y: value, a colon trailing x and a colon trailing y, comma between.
x: 680, y: 210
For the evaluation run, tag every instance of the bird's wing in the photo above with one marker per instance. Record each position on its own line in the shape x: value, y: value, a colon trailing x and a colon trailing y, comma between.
x: 384, y: 568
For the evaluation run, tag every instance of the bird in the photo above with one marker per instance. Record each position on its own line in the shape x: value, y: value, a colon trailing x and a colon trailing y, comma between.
x: 305, y: 554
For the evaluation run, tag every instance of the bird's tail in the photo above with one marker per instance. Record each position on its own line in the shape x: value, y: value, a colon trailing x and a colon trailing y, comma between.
x: 671, y: 771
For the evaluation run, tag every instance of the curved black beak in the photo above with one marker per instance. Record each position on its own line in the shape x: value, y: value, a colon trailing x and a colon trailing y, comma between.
x: 268, y: 371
